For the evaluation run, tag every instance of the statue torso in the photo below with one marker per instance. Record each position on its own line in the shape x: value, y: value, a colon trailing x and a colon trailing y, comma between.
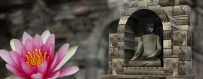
x: 149, y: 44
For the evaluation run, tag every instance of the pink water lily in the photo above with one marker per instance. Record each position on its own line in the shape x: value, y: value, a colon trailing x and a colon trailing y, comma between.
x: 34, y: 58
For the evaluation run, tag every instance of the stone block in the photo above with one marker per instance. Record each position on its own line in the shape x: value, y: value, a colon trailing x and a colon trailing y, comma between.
x: 181, y: 38
x: 117, y: 67
x: 185, y: 68
x: 184, y: 53
x: 171, y: 66
x: 167, y: 43
x: 113, y: 40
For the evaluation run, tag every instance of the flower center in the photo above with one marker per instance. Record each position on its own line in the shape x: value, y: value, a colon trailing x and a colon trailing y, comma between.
x: 36, y: 58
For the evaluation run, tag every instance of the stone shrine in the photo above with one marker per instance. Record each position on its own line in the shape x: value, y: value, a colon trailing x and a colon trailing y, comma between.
x: 130, y: 49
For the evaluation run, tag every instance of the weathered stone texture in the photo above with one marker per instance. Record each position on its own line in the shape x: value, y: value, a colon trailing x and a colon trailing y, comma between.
x: 90, y: 31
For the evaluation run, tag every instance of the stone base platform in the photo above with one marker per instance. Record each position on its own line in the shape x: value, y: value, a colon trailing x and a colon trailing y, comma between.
x: 143, y: 71
x: 145, y: 63
x: 145, y: 77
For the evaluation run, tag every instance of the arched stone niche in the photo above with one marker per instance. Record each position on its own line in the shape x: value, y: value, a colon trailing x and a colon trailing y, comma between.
x: 135, y: 28
x: 175, y: 41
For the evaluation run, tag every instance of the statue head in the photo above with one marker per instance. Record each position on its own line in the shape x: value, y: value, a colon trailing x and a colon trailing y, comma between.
x: 149, y: 27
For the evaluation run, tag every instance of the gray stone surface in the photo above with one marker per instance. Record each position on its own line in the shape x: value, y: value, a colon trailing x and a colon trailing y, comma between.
x: 90, y: 31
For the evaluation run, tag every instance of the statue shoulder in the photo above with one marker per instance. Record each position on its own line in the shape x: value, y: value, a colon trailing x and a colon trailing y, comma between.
x: 144, y: 35
x: 150, y: 35
x: 156, y: 35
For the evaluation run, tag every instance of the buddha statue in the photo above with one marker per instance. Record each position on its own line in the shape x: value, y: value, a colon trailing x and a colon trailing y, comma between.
x: 148, y: 49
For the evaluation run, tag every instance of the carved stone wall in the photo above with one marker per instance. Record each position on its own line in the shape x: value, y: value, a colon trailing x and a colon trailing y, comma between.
x: 176, y: 40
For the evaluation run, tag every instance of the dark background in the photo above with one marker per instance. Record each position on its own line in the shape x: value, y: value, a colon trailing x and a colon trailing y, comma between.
x: 86, y: 23
x: 138, y: 22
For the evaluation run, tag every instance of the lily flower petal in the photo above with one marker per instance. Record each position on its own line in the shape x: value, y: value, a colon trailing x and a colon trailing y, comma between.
x: 45, y: 36
x: 71, y: 51
x: 16, y: 58
x: 51, y: 50
x: 43, y: 67
x: 12, y: 44
x: 60, y: 55
x: 68, y: 71
x: 26, y: 69
x: 16, y: 71
x: 37, y: 76
x: 54, y: 75
x: 61, y: 52
x: 34, y: 58
x: 13, y: 77
x: 38, y: 41
x: 18, y: 46
x: 43, y: 48
x: 6, y: 57
x: 25, y: 37
x: 50, y: 40
x: 53, y: 63
x: 29, y: 46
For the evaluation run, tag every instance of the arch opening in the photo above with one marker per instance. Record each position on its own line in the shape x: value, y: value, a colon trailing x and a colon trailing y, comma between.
x: 136, y: 27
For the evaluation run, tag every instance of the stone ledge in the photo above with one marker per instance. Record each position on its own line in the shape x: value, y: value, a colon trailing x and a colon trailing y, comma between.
x: 145, y: 77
